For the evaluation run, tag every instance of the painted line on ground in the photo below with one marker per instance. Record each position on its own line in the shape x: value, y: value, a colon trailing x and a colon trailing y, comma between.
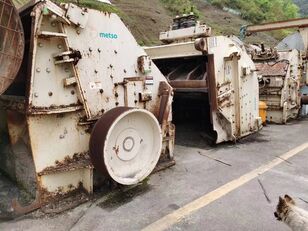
x: 176, y: 216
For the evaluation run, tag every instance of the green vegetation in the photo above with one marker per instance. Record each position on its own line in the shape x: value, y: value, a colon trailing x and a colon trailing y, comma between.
x: 92, y: 5
x: 258, y: 11
x: 181, y: 6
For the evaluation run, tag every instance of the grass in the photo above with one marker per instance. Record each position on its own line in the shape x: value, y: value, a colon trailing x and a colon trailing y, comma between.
x: 104, y: 7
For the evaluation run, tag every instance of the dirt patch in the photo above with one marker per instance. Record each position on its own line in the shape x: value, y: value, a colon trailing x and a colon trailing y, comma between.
x: 145, y: 19
x: 124, y: 195
x: 257, y: 137
x: 9, y: 191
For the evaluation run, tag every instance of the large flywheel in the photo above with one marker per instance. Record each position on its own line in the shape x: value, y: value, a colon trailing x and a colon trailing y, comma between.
x: 126, y: 144
x: 12, y: 44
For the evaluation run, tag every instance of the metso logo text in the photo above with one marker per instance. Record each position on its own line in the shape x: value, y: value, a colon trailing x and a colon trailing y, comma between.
x: 108, y: 35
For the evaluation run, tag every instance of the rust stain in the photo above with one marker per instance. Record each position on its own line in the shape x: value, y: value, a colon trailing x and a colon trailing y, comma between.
x: 116, y: 149
x: 77, y: 161
x: 162, y: 109
x: 53, y: 107
x: 140, y: 63
x: 188, y: 84
x: 48, y: 197
x: 211, y: 83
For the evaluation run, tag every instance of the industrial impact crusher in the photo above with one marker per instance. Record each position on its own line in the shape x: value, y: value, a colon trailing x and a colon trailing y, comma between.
x: 214, y: 80
x: 88, y: 104
x: 87, y: 101
x: 282, y: 70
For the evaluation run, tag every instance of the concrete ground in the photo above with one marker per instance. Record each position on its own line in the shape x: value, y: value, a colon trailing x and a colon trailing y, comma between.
x: 199, y: 171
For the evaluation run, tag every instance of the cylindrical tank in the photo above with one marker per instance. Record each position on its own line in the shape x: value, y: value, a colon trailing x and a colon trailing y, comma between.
x: 11, y: 44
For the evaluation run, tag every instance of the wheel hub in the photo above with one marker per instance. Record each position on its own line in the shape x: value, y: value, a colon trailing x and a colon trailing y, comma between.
x: 128, y: 144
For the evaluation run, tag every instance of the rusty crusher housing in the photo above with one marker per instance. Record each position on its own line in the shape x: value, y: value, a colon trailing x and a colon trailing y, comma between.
x: 283, y: 75
x: 86, y: 95
x: 279, y: 82
x: 215, y: 80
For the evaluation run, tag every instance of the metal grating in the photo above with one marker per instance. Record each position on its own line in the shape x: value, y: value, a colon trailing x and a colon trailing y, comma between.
x: 11, y: 44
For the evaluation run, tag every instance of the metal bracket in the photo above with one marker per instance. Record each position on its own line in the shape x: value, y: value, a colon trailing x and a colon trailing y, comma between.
x: 164, y: 92
x: 71, y: 56
x: 78, y: 16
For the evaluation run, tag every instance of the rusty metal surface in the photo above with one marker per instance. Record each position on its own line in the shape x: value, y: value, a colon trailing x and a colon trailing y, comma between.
x: 272, y: 68
x: 60, y: 194
x: 280, y: 85
x: 55, y: 109
x: 304, y: 99
x: 211, y: 82
x: 99, y: 134
x: 11, y: 44
x: 78, y: 160
x: 164, y: 92
x: 70, y: 201
x: 264, y: 54
x: 188, y: 84
x: 290, y: 23
x: 51, y: 203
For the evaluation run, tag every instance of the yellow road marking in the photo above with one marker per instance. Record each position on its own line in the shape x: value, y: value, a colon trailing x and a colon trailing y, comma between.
x: 174, y: 217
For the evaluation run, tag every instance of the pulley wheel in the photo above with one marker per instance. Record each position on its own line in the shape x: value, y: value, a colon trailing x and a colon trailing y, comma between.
x: 126, y: 144
x: 12, y: 43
